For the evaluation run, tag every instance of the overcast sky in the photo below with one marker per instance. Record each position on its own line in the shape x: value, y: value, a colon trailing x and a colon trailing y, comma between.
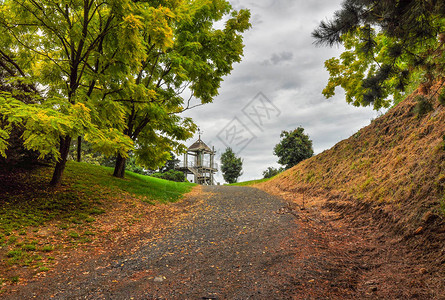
x: 277, y: 87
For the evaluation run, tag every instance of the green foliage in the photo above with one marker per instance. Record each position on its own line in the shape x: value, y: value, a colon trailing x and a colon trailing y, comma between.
x: 14, y: 253
x: 171, y: 175
x: 390, y: 48
x: 170, y: 164
x: 45, y: 125
x: 231, y: 166
x: 75, y: 53
x: 111, y: 72
x: 295, y: 146
x: 271, y: 172
x: 181, y: 49
x: 132, y: 166
x: 74, y: 235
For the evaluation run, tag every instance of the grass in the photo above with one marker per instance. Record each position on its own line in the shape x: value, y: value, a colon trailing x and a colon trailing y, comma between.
x: 28, y: 204
x: 395, y: 164
x: 251, y: 182
x: 80, y: 199
x: 154, y: 189
x: 442, y: 206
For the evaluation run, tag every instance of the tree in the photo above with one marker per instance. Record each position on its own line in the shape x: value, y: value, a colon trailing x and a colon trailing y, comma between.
x: 391, y: 47
x: 182, y: 51
x: 170, y: 164
x: 231, y: 166
x: 295, y: 146
x: 65, y: 49
x: 171, y: 175
x: 271, y: 172
x: 113, y: 73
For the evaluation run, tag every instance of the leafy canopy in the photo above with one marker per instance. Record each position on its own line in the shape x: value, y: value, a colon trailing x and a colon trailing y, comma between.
x: 231, y: 166
x: 43, y: 125
x: 114, y: 72
x: 60, y: 51
x: 295, y: 146
x: 183, y: 55
x: 391, y: 47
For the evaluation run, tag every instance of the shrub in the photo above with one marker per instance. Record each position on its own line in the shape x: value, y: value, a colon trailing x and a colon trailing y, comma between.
x: 271, y: 172
x: 171, y: 175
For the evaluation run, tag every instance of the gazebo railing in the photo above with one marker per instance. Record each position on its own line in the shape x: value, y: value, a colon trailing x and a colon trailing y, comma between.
x: 192, y: 164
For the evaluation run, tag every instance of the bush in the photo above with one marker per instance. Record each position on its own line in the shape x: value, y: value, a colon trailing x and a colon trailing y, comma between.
x: 271, y: 172
x: 171, y: 175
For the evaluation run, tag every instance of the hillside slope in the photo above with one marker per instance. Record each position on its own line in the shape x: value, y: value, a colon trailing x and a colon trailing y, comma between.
x: 390, y: 174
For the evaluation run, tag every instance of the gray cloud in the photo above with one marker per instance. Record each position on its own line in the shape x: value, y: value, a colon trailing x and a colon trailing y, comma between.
x: 278, y: 58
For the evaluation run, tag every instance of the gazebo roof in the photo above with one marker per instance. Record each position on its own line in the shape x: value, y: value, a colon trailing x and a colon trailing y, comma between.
x: 199, y: 146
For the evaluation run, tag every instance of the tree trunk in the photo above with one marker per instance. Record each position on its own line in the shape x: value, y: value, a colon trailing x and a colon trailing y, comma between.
x: 64, y: 149
x: 119, y: 169
x: 79, y: 148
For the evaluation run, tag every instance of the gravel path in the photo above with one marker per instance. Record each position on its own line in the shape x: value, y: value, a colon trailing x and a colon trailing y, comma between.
x: 234, y: 246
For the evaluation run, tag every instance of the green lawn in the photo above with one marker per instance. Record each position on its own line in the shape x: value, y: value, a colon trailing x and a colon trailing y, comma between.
x: 68, y: 214
x: 29, y: 201
x: 153, y: 188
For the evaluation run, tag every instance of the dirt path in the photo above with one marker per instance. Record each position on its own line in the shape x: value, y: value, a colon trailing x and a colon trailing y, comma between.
x: 240, y: 243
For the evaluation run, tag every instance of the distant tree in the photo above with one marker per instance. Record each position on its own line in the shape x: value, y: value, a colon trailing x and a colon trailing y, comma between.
x: 294, y: 147
x: 271, y: 172
x: 231, y: 166
x: 170, y: 164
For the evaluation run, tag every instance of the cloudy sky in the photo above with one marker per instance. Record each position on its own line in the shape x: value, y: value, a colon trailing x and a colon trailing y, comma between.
x: 278, y: 87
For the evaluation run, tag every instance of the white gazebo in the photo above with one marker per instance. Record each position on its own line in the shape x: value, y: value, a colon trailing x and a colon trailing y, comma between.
x: 199, y: 161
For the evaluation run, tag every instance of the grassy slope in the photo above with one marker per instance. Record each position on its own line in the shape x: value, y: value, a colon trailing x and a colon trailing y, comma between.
x: 250, y: 182
x: 27, y: 200
x: 37, y: 221
x: 149, y: 187
x: 393, y: 169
